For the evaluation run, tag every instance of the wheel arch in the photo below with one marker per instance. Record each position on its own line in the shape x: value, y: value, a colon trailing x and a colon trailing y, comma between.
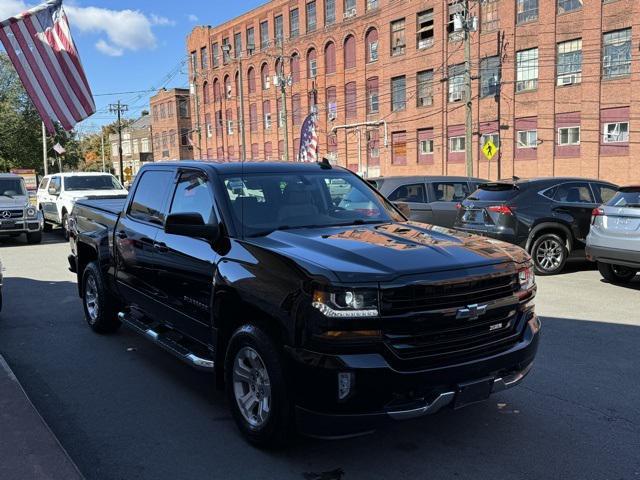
x: 549, y: 227
x: 86, y: 253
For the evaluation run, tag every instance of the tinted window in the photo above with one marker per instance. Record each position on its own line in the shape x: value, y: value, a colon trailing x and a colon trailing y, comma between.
x: 193, y: 195
x: 450, y: 191
x: 629, y: 197
x: 92, y: 182
x: 550, y: 192
x: 409, y: 193
x: 10, y: 187
x: 500, y: 192
x: 149, y: 197
x: 576, y: 192
x: 604, y: 192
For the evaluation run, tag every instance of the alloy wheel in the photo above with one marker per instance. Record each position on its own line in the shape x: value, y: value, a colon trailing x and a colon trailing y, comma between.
x: 549, y: 255
x: 621, y: 271
x: 251, y: 386
x: 91, y: 299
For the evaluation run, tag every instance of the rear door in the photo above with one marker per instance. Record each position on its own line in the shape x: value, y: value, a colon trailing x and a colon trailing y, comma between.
x: 445, y: 196
x: 573, y: 204
x: 186, y: 265
x: 415, y: 195
x: 134, y: 237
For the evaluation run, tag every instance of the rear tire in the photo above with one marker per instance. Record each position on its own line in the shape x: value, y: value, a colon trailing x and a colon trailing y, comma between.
x: 616, y: 273
x: 549, y: 253
x: 254, y: 378
x: 100, y: 310
x: 65, y: 225
x: 34, y: 237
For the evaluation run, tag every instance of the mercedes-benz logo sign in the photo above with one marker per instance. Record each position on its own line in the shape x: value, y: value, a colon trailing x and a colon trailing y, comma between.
x: 6, y: 214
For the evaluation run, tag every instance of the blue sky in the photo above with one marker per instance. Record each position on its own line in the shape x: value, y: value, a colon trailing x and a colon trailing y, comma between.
x: 131, y: 45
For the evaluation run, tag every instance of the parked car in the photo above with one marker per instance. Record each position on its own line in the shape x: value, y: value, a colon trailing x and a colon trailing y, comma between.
x: 309, y: 311
x: 17, y: 215
x: 614, y: 238
x: 431, y: 199
x: 58, y: 193
x: 1, y: 280
x: 549, y: 217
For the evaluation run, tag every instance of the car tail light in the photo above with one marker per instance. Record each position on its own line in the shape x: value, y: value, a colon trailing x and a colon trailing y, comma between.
x: 458, y: 206
x: 503, y: 209
x: 596, y: 212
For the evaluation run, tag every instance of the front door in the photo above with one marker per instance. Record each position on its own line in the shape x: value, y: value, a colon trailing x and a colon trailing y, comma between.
x: 50, y: 198
x: 186, y: 266
x: 573, y: 203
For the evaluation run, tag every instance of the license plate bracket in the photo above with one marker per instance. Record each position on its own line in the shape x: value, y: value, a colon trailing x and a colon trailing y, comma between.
x: 8, y: 224
x: 473, y: 392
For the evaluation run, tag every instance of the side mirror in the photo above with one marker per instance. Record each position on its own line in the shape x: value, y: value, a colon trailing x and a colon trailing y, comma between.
x: 190, y: 225
x: 404, y: 208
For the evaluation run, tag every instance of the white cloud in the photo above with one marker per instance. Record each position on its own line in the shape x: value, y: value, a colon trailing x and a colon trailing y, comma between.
x: 10, y: 8
x: 109, y: 50
x: 192, y: 18
x: 161, y: 21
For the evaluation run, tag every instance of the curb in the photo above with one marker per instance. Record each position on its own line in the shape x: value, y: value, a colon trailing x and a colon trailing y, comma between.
x: 61, y: 453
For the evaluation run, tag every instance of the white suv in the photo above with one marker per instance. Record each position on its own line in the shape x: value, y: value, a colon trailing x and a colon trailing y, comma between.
x: 57, y: 194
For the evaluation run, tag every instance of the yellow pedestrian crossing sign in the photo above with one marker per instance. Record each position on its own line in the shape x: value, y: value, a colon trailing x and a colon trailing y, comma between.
x: 489, y: 149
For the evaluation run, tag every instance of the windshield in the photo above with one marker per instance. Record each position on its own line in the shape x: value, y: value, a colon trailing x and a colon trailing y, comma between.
x: 629, y: 198
x: 12, y: 187
x: 262, y: 203
x: 92, y: 182
x: 494, y: 192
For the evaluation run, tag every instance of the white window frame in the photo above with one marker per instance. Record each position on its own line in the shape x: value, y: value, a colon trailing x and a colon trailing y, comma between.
x: 494, y: 137
x: 374, y: 101
x: 426, y: 146
x: 528, y: 135
x: 457, y: 144
x: 373, y: 51
x: 606, y: 135
x: 568, y: 144
x: 527, y: 69
x: 564, y: 48
x: 313, y: 68
x: 267, y: 121
x: 229, y: 127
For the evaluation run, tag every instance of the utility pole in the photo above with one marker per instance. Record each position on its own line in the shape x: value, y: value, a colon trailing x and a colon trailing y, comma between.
x: 119, y: 108
x: 241, y: 119
x: 194, y: 91
x: 283, y: 98
x: 44, y: 149
x: 468, y: 25
x: 103, y: 164
x: 499, y: 103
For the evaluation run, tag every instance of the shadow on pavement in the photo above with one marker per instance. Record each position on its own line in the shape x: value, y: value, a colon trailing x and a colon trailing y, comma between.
x: 123, y: 408
x: 48, y: 238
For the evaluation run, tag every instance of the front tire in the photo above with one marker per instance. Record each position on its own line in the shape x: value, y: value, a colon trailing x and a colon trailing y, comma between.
x: 616, y: 273
x: 256, y: 387
x: 549, y: 253
x: 65, y: 225
x: 34, y: 237
x: 100, y: 310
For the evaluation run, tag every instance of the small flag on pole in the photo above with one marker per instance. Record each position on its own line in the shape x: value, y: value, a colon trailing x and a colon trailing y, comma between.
x: 309, y: 139
x: 59, y: 149
x: 43, y: 53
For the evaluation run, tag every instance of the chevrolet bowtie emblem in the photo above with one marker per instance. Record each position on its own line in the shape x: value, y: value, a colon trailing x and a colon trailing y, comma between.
x: 471, y: 312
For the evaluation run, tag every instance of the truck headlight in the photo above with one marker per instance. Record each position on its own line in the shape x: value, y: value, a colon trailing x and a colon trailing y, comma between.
x: 31, y: 212
x: 526, y: 278
x: 347, y: 303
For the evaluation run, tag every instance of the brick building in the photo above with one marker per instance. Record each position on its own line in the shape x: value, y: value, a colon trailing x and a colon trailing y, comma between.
x: 171, y: 123
x: 568, y: 103
x: 137, y: 146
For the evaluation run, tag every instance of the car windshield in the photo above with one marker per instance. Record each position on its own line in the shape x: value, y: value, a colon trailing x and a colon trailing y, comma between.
x: 12, y: 187
x: 492, y: 192
x: 629, y: 198
x: 262, y: 203
x: 91, y: 182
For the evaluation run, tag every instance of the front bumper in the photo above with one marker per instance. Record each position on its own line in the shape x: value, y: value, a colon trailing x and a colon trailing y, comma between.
x: 381, y: 393
x: 616, y: 256
x: 22, y: 225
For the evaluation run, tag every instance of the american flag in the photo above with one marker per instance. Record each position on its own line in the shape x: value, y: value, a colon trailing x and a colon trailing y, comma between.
x: 309, y: 140
x: 43, y: 53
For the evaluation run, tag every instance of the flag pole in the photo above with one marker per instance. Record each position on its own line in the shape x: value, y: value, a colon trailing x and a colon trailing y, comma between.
x: 44, y: 149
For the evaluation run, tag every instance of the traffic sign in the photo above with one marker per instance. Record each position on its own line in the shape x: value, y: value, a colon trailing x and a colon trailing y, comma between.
x: 489, y: 149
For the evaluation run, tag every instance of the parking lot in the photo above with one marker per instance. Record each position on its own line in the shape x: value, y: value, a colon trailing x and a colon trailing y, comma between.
x: 124, y: 409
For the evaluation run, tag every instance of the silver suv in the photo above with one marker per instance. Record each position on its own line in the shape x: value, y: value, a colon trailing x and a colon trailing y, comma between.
x: 17, y: 215
x: 614, y: 238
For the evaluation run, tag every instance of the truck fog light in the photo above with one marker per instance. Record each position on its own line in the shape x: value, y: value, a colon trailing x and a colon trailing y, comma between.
x: 345, y: 382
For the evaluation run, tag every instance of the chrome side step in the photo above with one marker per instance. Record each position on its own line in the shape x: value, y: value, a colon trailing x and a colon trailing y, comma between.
x: 171, y: 346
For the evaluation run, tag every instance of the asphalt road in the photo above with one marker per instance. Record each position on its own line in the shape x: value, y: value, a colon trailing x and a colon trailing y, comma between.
x: 124, y: 409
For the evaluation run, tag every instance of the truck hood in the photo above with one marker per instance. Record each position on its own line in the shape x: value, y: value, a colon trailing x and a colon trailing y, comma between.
x: 15, y: 202
x: 372, y: 253
x: 76, y: 194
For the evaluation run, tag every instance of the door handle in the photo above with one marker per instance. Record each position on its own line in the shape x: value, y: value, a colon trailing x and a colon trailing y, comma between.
x: 121, y: 234
x: 160, y: 247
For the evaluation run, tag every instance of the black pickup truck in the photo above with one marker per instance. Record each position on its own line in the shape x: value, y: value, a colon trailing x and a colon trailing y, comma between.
x: 313, y: 300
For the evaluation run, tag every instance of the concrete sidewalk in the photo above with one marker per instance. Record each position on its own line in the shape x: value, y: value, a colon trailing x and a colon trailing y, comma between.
x: 28, y: 448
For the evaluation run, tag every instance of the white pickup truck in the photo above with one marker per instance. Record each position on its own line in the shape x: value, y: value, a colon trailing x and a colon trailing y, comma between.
x: 58, y: 193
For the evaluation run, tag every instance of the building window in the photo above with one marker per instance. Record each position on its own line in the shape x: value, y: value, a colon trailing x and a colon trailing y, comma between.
x: 225, y: 51
x: 425, y: 33
x: 204, y: 59
x: 527, y: 138
x: 278, y: 26
x: 253, y: 118
x: 219, y: 122
x: 399, y: 148
x: 489, y: 71
x: 371, y: 42
x: 617, y: 132
x: 424, y: 88
x: 264, y: 35
x: 205, y: 93
x: 296, y: 109
x: 229, y: 116
x: 397, y: 37
x: 351, y: 106
x: 527, y: 70
x: 350, y: 8
x: 527, y: 10
x: 266, y: 111
x: 456, y: 144
x: 350, y: 52
x: 565, y: 6
x: 183, y: 108
x: 456, y: 83
x: 456, y: 9
x: 329, y: 12
x: 312, y: 60
x: 398, y: 93
x: 251, y: 80
x: 215, y: 56
x: 372, y: 5
x: 184, y: 137
x: 426, y: 147
x: 237, y: 45
x: 373, y: 146
x: 616, y: 53
x: 251, y: 41
x: 373, y: 97
x: 294, y: 23
x: 194, y: 62
x: 264, y: 76
x: 144, y: 145
x: 569, y: 136
x: 295, y: 68
x: 311, y: 16
x: 228, y: 91
x: 209, y: 127
x: 489, y: 14
x: 494, y: 137
x: 569, y: 62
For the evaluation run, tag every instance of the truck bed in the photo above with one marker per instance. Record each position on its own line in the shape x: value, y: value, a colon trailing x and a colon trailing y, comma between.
x: 112, y: 205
